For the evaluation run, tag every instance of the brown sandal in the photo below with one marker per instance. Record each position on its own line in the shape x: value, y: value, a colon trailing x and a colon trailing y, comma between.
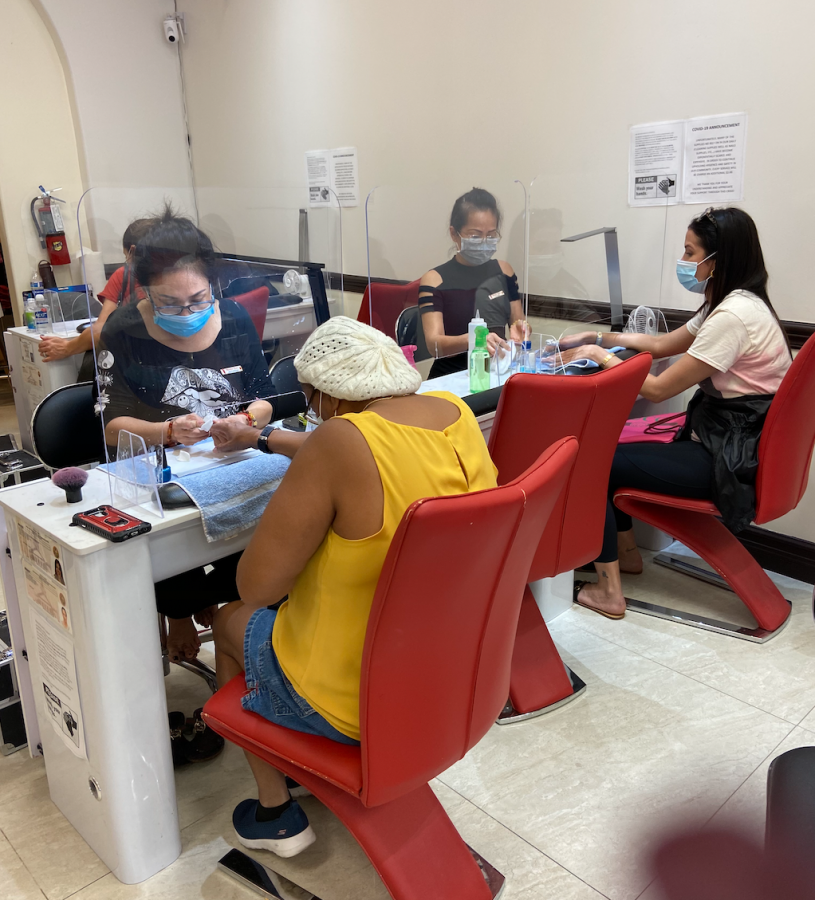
x: 578, y: 586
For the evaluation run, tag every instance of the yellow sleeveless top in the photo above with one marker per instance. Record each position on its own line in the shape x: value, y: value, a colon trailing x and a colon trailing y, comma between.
x: 319, y: 632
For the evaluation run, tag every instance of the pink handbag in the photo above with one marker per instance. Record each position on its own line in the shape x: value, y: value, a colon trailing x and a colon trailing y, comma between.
x: 655, y: 429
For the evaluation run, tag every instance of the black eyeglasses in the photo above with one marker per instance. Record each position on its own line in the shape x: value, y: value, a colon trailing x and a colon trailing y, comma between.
x: 708, y: 214
x: 190, y: 308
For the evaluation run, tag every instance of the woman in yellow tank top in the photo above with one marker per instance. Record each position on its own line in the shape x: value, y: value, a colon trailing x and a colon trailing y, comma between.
x: 323, y: 540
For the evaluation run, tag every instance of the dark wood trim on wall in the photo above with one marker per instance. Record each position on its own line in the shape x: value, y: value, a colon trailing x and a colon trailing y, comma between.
x: 790, y: 556
x: 592, y: 312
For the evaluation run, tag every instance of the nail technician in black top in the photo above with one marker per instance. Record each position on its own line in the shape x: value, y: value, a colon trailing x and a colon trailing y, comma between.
x: 471, y: 282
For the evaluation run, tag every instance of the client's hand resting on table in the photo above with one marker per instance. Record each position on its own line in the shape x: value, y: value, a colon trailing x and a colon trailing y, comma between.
x: 588, y: 351
x: 234, y: 433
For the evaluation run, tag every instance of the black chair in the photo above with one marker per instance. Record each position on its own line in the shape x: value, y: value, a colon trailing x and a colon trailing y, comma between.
x: 65, y: 429
x: 409, y: 331
x: 283, y: 376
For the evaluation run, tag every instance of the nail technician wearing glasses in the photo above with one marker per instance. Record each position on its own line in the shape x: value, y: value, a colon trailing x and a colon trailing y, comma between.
x: 179, y: 355
x: 472, y: 281
x: 166, y: 365
x: 735, y: 349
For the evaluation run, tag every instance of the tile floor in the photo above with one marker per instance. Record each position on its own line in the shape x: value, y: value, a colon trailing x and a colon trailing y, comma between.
x: 676, y: 725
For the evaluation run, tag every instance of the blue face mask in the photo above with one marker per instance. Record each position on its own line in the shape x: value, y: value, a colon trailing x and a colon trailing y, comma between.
x: 184, y: 326
x: 686, y: 273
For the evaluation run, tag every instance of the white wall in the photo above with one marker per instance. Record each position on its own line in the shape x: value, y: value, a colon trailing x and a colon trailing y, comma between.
x: 125, y: 86
x: 441, y: 96
x: 37, y: 139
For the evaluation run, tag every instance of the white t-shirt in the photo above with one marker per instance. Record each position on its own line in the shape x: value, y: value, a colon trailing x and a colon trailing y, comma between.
x: 743, y: 341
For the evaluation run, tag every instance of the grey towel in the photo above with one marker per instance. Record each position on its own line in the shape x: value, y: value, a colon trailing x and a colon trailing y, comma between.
x: 232, y: 498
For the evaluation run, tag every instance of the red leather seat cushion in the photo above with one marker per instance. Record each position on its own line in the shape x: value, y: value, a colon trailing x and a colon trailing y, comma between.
x: 340, y: 764
x: 698, y: 506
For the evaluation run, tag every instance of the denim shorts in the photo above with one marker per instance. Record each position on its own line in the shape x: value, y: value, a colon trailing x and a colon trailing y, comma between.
x: 271, y: 694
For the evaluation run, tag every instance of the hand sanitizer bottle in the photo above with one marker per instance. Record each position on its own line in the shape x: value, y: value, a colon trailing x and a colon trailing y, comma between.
x: 474, y: 323
x: 480, y: 362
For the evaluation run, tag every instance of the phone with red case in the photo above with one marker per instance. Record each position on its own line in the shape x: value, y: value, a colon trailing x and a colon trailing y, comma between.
x: 111, y: 523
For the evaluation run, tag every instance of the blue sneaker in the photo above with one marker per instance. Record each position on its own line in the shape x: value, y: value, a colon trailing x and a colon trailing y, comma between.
x: 286, y: 836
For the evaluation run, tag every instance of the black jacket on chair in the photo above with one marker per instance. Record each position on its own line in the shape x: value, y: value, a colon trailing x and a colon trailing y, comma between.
x: 730, y: 431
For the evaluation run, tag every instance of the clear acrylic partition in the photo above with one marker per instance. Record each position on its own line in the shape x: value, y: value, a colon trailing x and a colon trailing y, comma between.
x: 269, y: 289
x: 407, y: 236
x: 576, y: 274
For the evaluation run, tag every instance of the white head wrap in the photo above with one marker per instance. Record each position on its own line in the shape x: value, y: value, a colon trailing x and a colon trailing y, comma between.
x: 349, y: 360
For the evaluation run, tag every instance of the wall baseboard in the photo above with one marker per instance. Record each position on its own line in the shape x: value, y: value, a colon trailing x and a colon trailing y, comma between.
x: 781, y: 553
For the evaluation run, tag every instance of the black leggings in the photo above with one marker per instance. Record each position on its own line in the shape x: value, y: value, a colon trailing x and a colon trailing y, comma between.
x: 681, y: 469
x: 189, y: 593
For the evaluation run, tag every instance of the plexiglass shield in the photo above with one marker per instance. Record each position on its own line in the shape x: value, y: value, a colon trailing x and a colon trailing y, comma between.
x: 198, y: 335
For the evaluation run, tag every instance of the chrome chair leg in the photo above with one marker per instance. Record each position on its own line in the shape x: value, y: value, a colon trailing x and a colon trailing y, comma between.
x: 265, y: 881
x: 509, y: 714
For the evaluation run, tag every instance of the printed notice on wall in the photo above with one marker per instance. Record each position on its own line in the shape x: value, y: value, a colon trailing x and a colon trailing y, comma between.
x: 655, y: 163
x: 345, y: 175
x: 332, y: 177
x: 58, y: 682
x: 714, y: 159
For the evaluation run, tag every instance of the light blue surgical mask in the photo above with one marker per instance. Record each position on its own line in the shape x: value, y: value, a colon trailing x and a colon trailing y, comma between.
x: 183, y: 326
x: 477, y: 251
x: 686, y: 273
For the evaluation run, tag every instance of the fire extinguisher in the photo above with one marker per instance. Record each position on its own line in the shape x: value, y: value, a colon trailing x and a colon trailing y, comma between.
x: 50, y: 227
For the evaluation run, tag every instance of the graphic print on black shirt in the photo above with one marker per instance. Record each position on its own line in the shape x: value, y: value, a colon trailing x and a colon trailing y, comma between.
x: 145, y: 379
x: 199, y: 391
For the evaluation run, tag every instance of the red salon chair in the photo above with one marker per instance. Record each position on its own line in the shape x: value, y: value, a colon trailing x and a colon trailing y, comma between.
x: 533, y: 412
x: 784, y: 457
x: 382, y: 303
x: 427, y: 694
x: 255, y: 303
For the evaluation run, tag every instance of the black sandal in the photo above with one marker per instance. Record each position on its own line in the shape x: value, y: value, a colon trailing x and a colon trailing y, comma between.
x: 178, y: 743
x: 205, y: 743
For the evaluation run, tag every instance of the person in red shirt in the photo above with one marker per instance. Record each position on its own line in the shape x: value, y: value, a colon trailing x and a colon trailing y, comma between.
x: 120, y: 289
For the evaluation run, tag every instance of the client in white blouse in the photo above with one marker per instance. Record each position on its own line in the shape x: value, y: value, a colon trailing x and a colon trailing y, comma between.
x: 735, y: 349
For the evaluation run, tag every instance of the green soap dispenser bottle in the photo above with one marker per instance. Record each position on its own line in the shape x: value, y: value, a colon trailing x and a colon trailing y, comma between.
x: 480, y: 362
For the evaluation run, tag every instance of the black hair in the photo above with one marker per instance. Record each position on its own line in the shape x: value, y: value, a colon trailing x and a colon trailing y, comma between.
x: 171, y: 243
x: 477, y: 198
x: 732, y: 235
x: 134, y: 232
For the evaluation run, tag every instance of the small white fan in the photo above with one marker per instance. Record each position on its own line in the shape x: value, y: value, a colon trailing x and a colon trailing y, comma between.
x: 643, y: 320
x: 295, y: 283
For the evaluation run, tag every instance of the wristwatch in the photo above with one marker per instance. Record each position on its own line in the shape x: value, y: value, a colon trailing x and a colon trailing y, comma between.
x: 263, y: 439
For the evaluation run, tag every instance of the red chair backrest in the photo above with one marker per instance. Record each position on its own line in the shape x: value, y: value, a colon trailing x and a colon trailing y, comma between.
x: 435, y: 669
x: 785, y: 449
x: 387, y: 301
x: 535, y: 411
x: 256, y: 303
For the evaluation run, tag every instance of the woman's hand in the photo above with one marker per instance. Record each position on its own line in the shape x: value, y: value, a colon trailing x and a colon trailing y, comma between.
x: 520, y: 330
x: 233, y: 433
x: 187, y: 429
x: 53, y: 348
x: 494, y: 342
x: 587, y: 351
x: 570, y: 341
